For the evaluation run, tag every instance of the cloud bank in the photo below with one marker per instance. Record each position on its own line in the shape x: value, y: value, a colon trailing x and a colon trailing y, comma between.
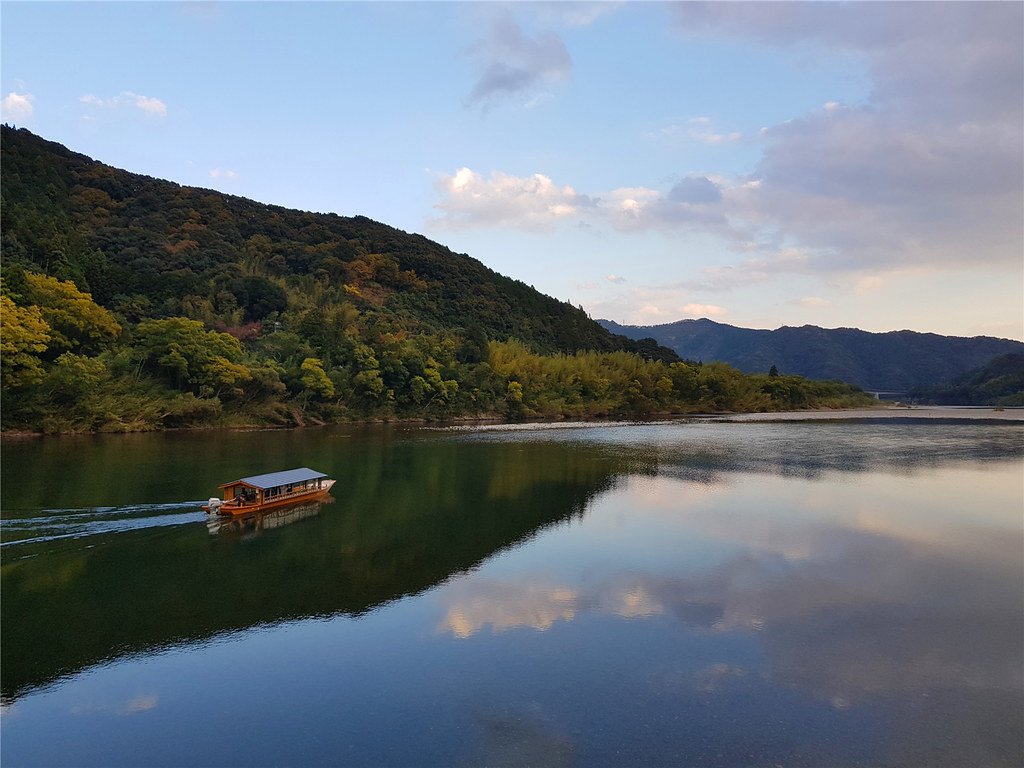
x: 927, y: 173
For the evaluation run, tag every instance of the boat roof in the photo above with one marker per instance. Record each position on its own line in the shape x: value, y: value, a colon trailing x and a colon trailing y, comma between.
x: 274, y: 479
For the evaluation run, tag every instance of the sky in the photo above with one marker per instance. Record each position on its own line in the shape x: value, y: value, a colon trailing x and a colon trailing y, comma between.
x: 760, y: 164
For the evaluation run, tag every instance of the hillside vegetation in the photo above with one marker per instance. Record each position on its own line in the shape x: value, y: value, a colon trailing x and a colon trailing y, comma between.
x: 1000, y: 383
x: 131, y: 303
x: 895, y: 361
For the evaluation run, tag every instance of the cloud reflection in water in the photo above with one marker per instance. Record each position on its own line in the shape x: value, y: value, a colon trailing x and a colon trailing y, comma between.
x: 850, y: 591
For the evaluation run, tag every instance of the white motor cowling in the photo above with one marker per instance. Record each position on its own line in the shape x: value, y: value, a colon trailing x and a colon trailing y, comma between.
x: 214, y: 505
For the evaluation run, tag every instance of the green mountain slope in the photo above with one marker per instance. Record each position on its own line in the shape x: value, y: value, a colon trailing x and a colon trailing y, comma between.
x: 130, y: 303
x: 895, y: 361
x: 150, y: 248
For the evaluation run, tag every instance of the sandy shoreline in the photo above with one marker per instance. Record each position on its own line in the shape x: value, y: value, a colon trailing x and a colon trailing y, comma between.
x: 960, y: 413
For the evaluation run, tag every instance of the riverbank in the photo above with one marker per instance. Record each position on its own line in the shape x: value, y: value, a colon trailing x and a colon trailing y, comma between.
x: 881, y: 411
x: 946, y: 412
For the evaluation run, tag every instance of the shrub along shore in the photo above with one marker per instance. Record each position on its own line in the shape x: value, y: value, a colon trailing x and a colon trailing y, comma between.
x: 69, y: 365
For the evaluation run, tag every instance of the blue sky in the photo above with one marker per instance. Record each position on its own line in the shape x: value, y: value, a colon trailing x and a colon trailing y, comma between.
x: 762, y: 164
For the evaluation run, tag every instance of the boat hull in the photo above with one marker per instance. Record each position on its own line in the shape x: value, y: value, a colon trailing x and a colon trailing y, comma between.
x: 234, y: 508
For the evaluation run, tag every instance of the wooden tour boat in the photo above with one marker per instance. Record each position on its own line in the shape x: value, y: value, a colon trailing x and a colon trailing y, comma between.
x: 260, y: 492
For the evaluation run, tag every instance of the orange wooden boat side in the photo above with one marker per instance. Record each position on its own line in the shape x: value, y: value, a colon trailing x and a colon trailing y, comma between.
x: 277, y: 489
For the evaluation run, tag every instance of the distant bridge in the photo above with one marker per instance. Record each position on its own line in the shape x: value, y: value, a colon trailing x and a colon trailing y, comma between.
x: 882, y: 394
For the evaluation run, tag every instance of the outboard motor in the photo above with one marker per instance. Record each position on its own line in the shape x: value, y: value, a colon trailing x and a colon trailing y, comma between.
x: 213, y: 505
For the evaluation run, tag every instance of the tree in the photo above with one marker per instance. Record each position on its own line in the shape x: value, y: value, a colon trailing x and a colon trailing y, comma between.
x: 314, y: 379
x: 23, y: 335
x: 76, y: 321
x: 74, y: 376
x: 186, y: 352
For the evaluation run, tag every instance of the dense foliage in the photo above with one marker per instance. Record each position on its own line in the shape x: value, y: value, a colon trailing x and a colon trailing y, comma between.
x: 130, y: 303
x: 146, y: 248
x: 894, y: 361
x: 1000, y: 383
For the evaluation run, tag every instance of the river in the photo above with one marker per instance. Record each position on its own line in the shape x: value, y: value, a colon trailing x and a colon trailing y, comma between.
x: 826, y: 589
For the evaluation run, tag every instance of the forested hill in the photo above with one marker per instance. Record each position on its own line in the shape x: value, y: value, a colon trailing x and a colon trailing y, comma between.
x: 1000, y: 383
x: 895, y: 361
x: 144, y: 247
x: 129, y: 303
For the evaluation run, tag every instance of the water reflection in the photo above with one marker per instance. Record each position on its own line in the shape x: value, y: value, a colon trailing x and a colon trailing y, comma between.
x: 508, y: 606
x: 484, y: 604
x: 856, y: 598
x: 257, y: 522
x: 843, y: 608
x: 410, y: 515
x: 691, y: 593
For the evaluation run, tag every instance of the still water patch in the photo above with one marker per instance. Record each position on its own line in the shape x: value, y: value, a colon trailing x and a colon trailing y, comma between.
x: 691, y: 593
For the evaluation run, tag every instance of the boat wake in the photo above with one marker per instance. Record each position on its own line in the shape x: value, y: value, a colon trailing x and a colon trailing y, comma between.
x: 54, y: 524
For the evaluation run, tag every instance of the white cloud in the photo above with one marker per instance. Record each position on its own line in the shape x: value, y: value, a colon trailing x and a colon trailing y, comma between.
x: 17, y: 106
x: 218, y: 173
x: 537, y: 203
x: 630, y: 199
x: 705, y: 310
x: 532, y: 203
x: 615, y: 279
x: 150, y: 106
x: 512, y: 62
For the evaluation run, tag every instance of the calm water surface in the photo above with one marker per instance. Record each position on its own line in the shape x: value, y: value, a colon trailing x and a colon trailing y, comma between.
x: 691, y: 593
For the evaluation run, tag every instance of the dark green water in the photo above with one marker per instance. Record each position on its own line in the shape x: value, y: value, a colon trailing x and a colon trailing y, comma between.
x: 676, y: 593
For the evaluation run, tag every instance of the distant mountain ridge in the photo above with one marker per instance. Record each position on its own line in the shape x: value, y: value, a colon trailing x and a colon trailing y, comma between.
x: 894, y: 361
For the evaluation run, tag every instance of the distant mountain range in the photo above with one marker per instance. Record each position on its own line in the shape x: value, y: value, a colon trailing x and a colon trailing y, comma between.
x: 894, y: 361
